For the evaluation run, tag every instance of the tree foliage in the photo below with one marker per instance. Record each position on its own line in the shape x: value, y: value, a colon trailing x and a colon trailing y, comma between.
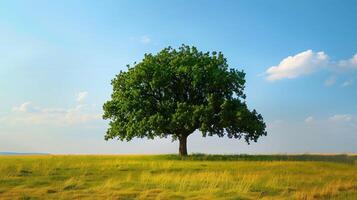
x: 178, y: 91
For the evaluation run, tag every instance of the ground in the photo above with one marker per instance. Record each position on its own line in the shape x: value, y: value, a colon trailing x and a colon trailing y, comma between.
x: 171, y: 177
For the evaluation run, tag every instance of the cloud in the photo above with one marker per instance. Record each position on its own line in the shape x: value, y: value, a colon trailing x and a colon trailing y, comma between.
x: 346, y: 118
x: 309, y: 119
x: 81, y: 96
x: 308, y: 62
x: 28, y: 114
x: 300, y: 64
x: 330, y: 81
x: 347, y: 83
x: 21, y: 108
x: 348, y: 64
x: 341, y: 118
x: 145, y: 39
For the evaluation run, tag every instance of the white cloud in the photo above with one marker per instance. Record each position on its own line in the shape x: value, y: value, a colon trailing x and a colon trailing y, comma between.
x: 78, y: 114
x: 21, y: 108
x: 145, y: 39
x: 81, y: 96
x: 330, y: 81
x: 308, y: 62
x: 300, y: 64
x: 341, y: 117
x: 309, y: 119
x: 348, y: 64
x: 347, y: 83
x: 27, y: 114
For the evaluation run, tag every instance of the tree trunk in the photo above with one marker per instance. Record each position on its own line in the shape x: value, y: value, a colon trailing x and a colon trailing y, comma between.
x: 183, y: 145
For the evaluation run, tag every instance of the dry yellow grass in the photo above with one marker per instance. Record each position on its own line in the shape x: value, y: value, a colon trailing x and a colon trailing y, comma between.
x: 162, y: 177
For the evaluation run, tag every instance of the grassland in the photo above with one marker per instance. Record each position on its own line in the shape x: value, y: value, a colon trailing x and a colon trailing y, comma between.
x: 171, y: 177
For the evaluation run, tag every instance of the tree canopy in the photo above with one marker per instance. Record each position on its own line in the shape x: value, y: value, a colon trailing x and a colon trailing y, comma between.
x: 177, y: 91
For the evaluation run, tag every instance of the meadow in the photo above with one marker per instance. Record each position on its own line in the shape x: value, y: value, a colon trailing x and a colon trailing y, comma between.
x: 172, y: 177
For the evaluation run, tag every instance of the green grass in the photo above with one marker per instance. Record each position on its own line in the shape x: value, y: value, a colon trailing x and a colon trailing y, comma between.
x: 171, y: 177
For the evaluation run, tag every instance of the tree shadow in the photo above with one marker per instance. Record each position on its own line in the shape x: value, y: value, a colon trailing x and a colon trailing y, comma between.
x: 339, y: 158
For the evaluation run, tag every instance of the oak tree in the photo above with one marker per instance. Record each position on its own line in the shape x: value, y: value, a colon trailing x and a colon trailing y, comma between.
x: 178, y: 91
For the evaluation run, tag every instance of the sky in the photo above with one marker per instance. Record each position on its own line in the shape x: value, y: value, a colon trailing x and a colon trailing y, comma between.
x: 57, y: 59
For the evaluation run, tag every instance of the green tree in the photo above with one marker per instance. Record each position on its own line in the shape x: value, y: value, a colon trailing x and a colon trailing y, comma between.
x: 176, y: 92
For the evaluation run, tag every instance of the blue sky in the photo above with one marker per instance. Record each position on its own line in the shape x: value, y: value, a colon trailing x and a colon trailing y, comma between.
x: 57, y: 60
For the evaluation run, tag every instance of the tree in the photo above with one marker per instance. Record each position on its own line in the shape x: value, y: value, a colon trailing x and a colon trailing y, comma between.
x: 176, y: 92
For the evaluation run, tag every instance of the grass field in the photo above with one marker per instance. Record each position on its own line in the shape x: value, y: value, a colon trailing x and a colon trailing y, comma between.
x: 171, y: 177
